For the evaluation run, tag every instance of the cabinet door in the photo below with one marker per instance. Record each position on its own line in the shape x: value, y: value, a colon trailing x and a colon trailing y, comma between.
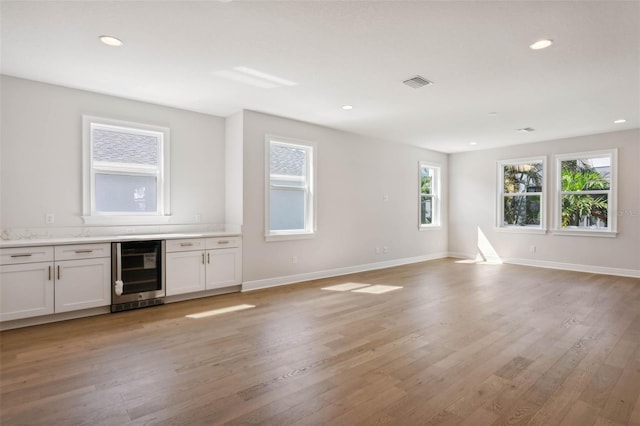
x: 185, y: 272
x: 82, y: 284
x: 224, y: 268
x: 26, y: 290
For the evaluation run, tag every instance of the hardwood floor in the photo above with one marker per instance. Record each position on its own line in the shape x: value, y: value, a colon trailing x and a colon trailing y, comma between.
x: 459, y: 343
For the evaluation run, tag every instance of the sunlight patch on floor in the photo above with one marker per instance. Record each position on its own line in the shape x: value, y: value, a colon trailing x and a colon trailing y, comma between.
x: 362, y: 288
x: 219, y: 311
x: 345, y: 287
x: 377, y: 289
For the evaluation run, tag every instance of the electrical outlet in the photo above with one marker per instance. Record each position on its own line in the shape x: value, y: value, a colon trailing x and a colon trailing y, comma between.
x: 49, y: 218
x: 385, y: 198
x: 532, y: 249
x: 385, y: 249
x: 377, y: 250
x: 197, y: 217
x: 294, y: 259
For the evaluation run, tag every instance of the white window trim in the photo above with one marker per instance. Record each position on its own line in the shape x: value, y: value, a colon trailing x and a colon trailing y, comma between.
x: 311, y: 199
x: 612, y: 217
x: 90, y: 216
x: 500, y: 226
x: 437, y: 196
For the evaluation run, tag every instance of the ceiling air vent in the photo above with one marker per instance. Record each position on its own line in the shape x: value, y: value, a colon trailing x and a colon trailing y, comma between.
x: 526, y: 130
x: 417, y: 82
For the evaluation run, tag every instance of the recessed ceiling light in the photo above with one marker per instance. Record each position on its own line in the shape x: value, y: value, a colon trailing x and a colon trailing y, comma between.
x: 492, y: 114
x: 622, y: 120
x: 110, y: 41
x: 473, y: 143
x: 541, y: 44
x: 347, y: 107
x: 526, y: 130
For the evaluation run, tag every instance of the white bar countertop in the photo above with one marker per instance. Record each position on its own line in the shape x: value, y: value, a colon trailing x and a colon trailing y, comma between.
x: 41, y: 237
x: 109, y: 239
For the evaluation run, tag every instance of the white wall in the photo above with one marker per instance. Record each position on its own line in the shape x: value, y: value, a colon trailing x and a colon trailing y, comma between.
x: 41, y: 153
x: 473, y: 177
x: 41, y: 171
x: 234, y: 168
x: 354, y: 174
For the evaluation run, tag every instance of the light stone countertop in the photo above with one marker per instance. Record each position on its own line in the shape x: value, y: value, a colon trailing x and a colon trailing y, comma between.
x: 110, y: 238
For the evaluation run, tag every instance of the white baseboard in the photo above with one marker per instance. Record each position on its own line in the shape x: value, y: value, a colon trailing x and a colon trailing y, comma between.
x: 605, y: 270
x: 593, y: 269
x: 290, y: 279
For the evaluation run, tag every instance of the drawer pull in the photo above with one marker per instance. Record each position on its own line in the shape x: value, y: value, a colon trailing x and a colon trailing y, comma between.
x: 22, y: 255
x: 223, y: 242
x: 49, y: 272
x: 83, y: 251
x: 58, y: 271
x: 186, y: 244
x: 203, y: 258
x: 208, y: 257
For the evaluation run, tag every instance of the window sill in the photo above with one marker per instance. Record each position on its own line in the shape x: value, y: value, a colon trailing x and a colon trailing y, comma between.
x: 585, y: 233
x: 521, y: 230
x: 126, y: 220
x: 429, y: 227
x: 285, y: 237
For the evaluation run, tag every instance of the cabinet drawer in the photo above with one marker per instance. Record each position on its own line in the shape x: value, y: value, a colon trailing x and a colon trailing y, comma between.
x: 223, y: 242
x: 184, y: 245
x: 15, y: 256
x: 82, y: 251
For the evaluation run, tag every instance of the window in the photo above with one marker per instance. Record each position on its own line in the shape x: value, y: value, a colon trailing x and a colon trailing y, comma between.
x: 289, y: 196
x: 126, y: 172
x: 429, y: 184
x: 521, y: 201
x: 586, y: 193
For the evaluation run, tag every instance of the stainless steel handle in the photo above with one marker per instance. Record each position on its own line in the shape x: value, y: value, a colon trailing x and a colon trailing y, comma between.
x: 22, y: 255
x: 49, y: 272
x: 58, y: 271
x: 203, y: 258
x: 84, y: 251
x: 223, y: 242
x: 208, y: 257
x: 186, y: 244
x: 118, y: 261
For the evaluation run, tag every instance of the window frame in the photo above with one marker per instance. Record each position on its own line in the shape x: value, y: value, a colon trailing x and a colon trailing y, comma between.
x: 309, y: 188
x: 162, y: 214
x: 435, y: 196
x: 612, y: 195
x: 500, y: 226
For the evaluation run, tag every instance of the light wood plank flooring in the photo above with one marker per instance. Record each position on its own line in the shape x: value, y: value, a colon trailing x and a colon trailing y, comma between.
x: 459, y: 343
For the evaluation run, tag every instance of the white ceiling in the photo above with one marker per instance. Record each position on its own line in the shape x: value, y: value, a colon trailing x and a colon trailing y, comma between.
x: 181, y: 53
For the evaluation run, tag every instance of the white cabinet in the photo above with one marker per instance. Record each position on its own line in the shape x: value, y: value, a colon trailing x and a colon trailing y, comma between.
x: 83, y: 276
x: 224, y: 262
x: 185, y: 272
x: 33, y: 284
x: 200, y: 264
x: 26, y: 282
